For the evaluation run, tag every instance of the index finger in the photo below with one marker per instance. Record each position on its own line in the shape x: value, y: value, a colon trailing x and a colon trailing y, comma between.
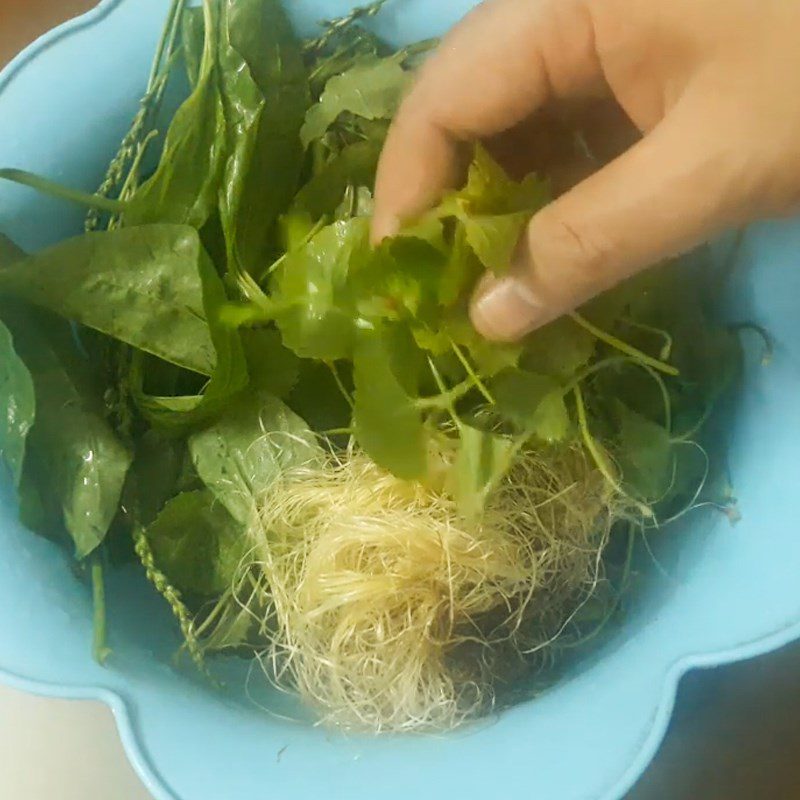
x: 502, y: 62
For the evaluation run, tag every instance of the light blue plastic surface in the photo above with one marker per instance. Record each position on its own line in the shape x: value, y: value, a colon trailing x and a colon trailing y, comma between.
x: 735, y: 592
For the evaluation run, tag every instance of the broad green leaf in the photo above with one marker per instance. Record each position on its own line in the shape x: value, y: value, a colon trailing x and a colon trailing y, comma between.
x: 272, y: 366
x: 533, y: 403
x: 489, y: 357
x: 560, y: 349
x: 482, y: 462
x: 494, y: 237
x: 154, y: 475
x: 490, y: 191
x: 494, y: 210
x: 18, y: 402
x: 230, y: 371
x: 371, y: 90
x: 550, y: 421
x: 646, y: 454
x: 193, y: 36
x: 139, y: 285
x: 461, y: 271
x: 356, y: 46
x: 184, y: 187
x: 240, y: 456
x: 80, y: 460
x: 400, y: 280
x: 388, y: 425
x: 355, y: 165
x: 317, y: 313
x: 265, y: 97
x: 9, y: 252
x: 197, y: 543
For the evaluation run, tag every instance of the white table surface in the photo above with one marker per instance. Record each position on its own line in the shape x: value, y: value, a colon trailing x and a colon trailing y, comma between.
x: 61, y: 750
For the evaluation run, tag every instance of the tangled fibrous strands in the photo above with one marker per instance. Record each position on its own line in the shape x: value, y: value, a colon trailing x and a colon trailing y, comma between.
x: 382, y: 607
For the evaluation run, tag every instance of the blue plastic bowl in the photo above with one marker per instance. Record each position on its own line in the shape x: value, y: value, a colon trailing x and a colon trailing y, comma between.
x: 733, y: 593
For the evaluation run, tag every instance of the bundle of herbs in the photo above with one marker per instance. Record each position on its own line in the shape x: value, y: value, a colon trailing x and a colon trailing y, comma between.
x: 300, y: 436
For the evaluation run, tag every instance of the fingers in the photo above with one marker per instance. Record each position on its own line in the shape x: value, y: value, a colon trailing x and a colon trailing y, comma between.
x: 505, y: 60
x: 667, y: 193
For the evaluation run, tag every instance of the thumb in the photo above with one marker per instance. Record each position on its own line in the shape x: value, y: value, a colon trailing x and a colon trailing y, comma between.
x: 670, y: 191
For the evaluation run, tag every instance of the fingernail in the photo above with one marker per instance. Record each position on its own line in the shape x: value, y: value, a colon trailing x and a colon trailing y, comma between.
x: 505, y: 309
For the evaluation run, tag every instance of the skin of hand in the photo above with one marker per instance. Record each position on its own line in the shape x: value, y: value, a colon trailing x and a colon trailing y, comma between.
x: 711, y: 85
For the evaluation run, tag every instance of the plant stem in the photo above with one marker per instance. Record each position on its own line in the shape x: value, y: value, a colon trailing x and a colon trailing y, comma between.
x: 338, y: 379
x: 471, y: 373
x: 599, y: 456
x: 100, y: 650
x: 53, y: 189
x: 623, y: 347
x: 334, y: 27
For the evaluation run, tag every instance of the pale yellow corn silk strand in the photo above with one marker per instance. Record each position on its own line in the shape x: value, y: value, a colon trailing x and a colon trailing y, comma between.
x: 369, y: 587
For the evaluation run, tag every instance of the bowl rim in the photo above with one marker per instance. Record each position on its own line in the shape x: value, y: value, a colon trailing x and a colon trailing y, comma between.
x: 122, y: 703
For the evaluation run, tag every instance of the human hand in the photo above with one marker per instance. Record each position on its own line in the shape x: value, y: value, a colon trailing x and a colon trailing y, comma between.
x: 711, y: 85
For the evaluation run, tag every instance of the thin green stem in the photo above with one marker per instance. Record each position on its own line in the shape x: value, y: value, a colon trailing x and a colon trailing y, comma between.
x: 416, y: 49
x: 119, y: 169
x: 666, y: 348
x: 479, y: 385
x: 337, y: 26
x: 623, y: 347
x: 100, y: 650
x: 450, y: 396
x: 449, y: 405
x: 688, y: 435
x: 759, y: 330
x: 599, y: 456
x: 53, y: 189
x: 611, y: 361
x: 339, y: 432
x: 339, y: 384
x: 166, y: 41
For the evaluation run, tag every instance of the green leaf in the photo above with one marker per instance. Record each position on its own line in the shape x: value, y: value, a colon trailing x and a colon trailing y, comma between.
x: 494, y: 210
x: 355, y: 165
x: 139, y: 285
x: 550, y: 421
x: 9, y: 252
x: 489, y: 357
x: 272, y: 366
x: 482, y: 462
x: 230, y: 374
x: 489, y: 190
x: 355, y: 45
x: 646, y: 454
x: 494, y: 237
x: 387, y: 423
x: 240, y: 456
x: 400, y: 280
x: 185, y: 185
x: 461, y: 271
x: 265, y: 97
x: 197, y: 544
x: 317, y: 398
x: 81, y: 461
x: 18, y: 401
x: 559, y: 349
x: 371, y: 89
x: 154, y: 475
x: 193, y: 36
x: 533, y: 403
x: 317, y: 314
